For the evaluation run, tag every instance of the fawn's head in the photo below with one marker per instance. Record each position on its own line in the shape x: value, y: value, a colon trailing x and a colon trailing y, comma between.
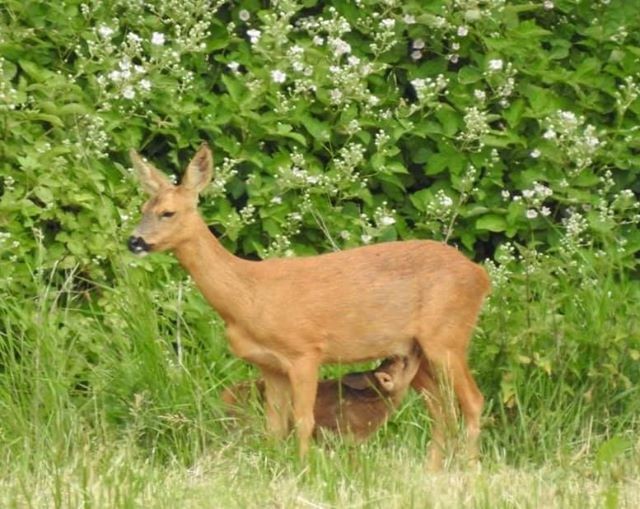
x: 391, y: 377
x: 171, y: 209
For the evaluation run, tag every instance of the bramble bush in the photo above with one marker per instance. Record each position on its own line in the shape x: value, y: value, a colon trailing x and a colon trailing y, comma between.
x: 333, y: 126
x: 507, y: 128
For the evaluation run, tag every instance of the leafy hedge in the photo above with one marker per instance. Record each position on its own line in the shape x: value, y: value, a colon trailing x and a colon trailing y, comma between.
x: 473, y: 121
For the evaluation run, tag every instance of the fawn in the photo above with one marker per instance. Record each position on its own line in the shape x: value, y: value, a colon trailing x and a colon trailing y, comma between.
x: 355, y: 405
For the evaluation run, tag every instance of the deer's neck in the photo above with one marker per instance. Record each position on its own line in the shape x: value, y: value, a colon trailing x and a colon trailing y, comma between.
x: 224, y: 279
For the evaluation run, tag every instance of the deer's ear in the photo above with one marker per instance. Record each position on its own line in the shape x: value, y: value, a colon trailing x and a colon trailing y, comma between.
x: 385, y: 380
x: 152, y: 180
x: 199, y: 171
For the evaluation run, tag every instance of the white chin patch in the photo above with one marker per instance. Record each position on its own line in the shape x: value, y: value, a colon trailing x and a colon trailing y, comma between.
x: 139, y: 252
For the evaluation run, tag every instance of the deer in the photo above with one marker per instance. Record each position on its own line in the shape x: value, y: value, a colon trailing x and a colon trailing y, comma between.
x: 288, y: 316
x: 354, y: 406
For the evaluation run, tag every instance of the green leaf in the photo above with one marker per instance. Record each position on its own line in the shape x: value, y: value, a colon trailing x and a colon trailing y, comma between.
x: 492, y: 223
x: 469, y: 74
x: 611, y: 450
x: 44, y: 194
x: 450, y: 120
x: 34, y: 71
x: 420, y: 199
x: 74, y: 109
x: 514, y: 112
x: 51, y: 119
x: 235, y: 88
x: 285, y: 130
x: 318, y: 129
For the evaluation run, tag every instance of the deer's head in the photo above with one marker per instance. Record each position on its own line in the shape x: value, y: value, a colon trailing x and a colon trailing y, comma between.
x: 171, y: 210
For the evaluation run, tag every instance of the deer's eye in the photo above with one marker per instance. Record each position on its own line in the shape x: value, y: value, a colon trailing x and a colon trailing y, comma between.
x: 167, y: 214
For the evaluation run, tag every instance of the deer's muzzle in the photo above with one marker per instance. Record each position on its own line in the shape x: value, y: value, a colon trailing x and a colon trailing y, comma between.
x: 137, y: 245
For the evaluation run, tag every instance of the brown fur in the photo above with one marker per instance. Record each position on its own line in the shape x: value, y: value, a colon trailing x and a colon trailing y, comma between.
x: 355, y: 406
x: 288, y: 316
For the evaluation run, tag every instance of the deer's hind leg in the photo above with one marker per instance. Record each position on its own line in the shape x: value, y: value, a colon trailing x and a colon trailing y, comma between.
x: 427, y: 384
x: 445, y: 367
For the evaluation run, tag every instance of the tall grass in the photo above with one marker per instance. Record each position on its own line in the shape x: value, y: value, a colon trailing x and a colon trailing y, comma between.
x: 109, y: 397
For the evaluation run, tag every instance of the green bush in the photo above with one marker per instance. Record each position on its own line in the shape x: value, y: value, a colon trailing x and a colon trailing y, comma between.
x: 473, y: 121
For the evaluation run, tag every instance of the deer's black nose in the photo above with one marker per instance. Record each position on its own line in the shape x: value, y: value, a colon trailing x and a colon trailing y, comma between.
x: 137, y: 245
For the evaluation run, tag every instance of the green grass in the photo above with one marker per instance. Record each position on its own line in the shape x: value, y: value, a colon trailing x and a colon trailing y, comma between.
x: 109, y: 397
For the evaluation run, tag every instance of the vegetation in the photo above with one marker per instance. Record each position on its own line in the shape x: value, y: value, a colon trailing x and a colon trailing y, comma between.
x: 507, y: 128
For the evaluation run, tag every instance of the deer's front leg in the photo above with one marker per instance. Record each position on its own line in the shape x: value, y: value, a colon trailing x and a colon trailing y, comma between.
x: 277, y: 402
x: 303, y: 376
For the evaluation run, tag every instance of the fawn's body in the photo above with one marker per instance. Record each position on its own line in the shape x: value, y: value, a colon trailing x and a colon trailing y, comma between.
x: 288, y: 316
x: 355, y: 405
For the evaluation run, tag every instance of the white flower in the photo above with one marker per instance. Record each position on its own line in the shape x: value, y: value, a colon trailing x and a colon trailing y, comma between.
x: 446, y: 201
x: 535, y: 153
x: 145, y: 85
x: 254, y: 35
x: 545, y: 211
x: 388, y: 23
x: 473, y: 15
x: 416, y: 55
x: 105, y: 31
x: 568, y: 117
x: 409, y: 19
x: 549, y: 134
x: 244, y: 15
x: 480, y: 95
x: 115, y: 75
x: 505, y: 194
x: 532, y: 214
x: 417, y: 44
x: 278, y: 76
x: 339, y: 46
x: 336, y: 96
x: 133, y: 37
x: 318, y: 41
x: 128, y: 92
x: 345, y: 235
x: 233, y: 66
x: 157, y: 38
x: 387, y: 220
x: 542, y: 190
x: 463, y: 30
x: 528, y: 193
x: 277, y: 200
x: 365, y: 238
x: 548, y: 5
x: 353, y: 60
x: 496, y: 64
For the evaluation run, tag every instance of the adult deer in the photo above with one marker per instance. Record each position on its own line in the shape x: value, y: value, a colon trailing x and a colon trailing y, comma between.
x: 289, y: 316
